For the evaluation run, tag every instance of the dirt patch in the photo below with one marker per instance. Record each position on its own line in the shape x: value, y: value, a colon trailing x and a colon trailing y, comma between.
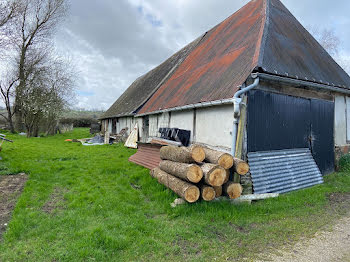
x: 56, y: 201
x: 339, y: 199
x: 186, y: 247
x: 327, y: 245
x: 11, y: 187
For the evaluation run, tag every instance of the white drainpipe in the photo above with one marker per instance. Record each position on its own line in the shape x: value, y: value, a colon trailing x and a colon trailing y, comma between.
x: 237, y: 112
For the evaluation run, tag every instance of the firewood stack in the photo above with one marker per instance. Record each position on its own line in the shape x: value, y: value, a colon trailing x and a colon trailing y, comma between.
x: 199, y: 172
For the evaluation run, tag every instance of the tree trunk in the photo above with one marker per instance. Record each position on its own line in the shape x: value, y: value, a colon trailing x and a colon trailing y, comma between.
x: 218, y: 191
x: 183, y: 189
x: 188, y: 172
x: 207, y: 192
x: 214, y: 175
x: 191, y: 154
x: 233, y: 190
x: 241, y: 167
x: 220, y: 158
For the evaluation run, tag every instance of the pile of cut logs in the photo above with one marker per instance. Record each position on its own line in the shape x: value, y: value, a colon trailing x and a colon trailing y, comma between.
x: 199, y: 172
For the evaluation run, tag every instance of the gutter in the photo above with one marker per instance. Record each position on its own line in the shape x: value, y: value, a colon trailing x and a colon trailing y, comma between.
x: 298, y: 82
x: 237, y: 100
x: 191, y: 106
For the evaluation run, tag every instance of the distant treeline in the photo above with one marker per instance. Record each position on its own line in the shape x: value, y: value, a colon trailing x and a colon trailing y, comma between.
x: 79, y: 122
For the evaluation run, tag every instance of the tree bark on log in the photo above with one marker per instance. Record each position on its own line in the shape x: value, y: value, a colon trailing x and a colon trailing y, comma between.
x: 183, y: 189
x: 194, y: 153
x: 214, y: 175
x: 227, y: 176
x: 241, y: 167
x: 188, y: 172
x: 207, y: 192
x: 233, y: 190
x: 222, y: 159
x: 218, y: 191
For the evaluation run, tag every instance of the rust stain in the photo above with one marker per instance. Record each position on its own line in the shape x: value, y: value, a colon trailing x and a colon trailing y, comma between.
x: 218, y: 65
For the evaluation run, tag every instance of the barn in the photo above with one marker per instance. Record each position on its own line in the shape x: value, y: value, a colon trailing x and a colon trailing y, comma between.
x: 257, y: 84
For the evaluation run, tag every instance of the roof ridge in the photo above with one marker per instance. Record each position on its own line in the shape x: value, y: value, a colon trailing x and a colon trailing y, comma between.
x: 264, y: 33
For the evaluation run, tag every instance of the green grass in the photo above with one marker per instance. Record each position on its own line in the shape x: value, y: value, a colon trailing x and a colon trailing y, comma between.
x: 101, y: 217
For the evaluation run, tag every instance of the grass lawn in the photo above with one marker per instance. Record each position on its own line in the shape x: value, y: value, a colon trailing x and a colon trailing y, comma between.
x: 85, y: 203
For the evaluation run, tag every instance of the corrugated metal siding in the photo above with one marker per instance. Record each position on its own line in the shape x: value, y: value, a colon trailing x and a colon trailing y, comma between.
x: 322, y: 134
x: 147, y: 155
x: 283, y: 170
x: 277, y: 122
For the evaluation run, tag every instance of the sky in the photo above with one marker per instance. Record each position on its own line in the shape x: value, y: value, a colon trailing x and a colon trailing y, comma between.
x: 113, y: 42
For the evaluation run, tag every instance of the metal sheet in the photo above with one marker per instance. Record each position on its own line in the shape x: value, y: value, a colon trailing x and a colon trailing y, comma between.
x: 322, y: 134
x: 147, y: 155
x: 291, y: 51
x: 143, y: 87
x: 277, y: 121
x: 283, y: 171
x: 262, y: 36
x: 216, y: 68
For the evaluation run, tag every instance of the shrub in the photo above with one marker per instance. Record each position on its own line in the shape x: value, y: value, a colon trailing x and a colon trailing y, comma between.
x: 344, y: 163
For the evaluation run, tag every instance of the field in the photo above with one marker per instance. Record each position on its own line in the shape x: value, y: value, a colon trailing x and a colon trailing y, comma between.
x: 91, y: 204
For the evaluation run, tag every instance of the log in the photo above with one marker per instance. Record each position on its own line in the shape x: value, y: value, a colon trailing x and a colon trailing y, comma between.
x: 227, y: 176
x: 183, y: 189
x: 218, y: 191
x: 194, y: 153
x: 214, y: 175
x: 233, y: 190
x: 188, y: 172
x: 241, y: 167
x: 207, y: 192
x: 220, y: 158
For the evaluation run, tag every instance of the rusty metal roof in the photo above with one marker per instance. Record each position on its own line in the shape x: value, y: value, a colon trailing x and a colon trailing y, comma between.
x: 144, y: 87
x: 221, y: 62
x: 262, y: 36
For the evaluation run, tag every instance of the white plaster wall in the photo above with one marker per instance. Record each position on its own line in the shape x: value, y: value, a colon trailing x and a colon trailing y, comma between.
x: 214, y: 125
x: 340, y: 121
x: 153, y: 125
x: 122, y: 124
x: 182, y: 120
x: 109, y: 126
x: 104, y: 125
x: 139, y: 121
x: 163, y: 120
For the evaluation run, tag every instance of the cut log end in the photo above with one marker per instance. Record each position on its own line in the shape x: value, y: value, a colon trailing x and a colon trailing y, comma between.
x: 226, y: 161
x: 218, y: 191
x: 234, y: 190
x: 194, y: 173
x: 198, y: 154
x: 217, y: 177
x: 208, y: 193
x: 242, y: 168
x: 192, y: 194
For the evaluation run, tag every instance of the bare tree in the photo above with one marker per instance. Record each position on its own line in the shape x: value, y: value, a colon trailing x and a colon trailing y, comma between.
x: 6, y: 94
x: 37, y: 22
x: 48, y: 92
x: 331, y: 43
